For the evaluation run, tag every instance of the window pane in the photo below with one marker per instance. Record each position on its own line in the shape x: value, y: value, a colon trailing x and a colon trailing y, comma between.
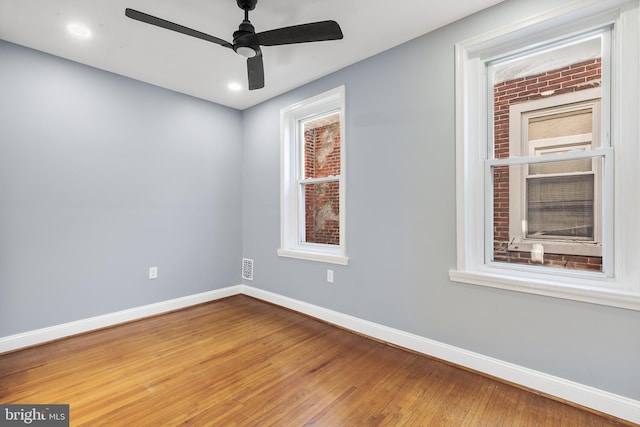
x: 547, y: 73
x: 548, y: 64
x: 546, y: 101
x: 500, y: 211
x: 558, y: 212
x: 322, y: 146
x: 321, y: 213
x: 560, y: 207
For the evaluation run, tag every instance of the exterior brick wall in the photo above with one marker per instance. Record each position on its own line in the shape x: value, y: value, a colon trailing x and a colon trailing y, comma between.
x: 322, y: 158
x: 579, y: 76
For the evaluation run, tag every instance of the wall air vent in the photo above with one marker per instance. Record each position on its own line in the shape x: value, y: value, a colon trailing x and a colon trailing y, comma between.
x: 247, y: 268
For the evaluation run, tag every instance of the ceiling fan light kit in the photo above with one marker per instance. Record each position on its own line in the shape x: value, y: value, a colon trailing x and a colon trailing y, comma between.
x: 246, y: 42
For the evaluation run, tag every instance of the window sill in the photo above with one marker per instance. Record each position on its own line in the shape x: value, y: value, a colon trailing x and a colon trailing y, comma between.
x: 577, y: 290
x: 314, y: 256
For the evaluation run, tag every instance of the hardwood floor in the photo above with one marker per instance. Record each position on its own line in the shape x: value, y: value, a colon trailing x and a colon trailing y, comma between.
x: 242, y: 362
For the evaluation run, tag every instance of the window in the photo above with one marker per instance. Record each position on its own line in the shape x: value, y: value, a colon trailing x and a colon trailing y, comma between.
x: 313, y: 184
x: 547, y: 104
x: 555, y: 206
x: 547, y: 155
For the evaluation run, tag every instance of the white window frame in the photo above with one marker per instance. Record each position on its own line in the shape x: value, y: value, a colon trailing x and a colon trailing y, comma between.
x: 291, y: 199
x: 521, y: 146
x: 619, y: 284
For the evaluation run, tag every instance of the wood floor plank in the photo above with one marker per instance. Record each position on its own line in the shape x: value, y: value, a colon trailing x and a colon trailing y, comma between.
x: 242, y: 362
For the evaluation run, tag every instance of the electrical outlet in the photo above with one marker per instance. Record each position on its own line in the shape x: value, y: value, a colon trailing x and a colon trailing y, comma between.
x: 330, y: 276
x: 153, y: 272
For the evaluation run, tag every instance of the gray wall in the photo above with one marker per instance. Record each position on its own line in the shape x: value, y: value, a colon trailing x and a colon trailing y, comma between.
x: 102, y: 177
x: 401, y: 234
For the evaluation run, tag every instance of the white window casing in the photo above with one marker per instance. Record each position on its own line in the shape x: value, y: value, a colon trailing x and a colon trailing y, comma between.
x: 292, y: 242
x: 619, y: 282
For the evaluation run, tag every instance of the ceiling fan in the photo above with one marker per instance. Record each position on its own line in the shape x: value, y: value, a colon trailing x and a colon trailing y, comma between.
x: 246, y: 42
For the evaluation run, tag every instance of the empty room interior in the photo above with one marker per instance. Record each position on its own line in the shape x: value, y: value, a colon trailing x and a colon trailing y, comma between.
x: 330, y: 213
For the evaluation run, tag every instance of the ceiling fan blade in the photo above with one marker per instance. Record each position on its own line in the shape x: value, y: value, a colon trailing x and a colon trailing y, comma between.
x: 312, y: 32
x: 159, y: 22
x: 255, y: 71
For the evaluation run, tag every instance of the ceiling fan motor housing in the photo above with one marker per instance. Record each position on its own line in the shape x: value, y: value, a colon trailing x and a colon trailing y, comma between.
x: 245, y: 42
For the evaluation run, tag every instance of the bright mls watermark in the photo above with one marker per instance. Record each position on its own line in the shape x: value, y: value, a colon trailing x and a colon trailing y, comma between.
x: 34, y: 415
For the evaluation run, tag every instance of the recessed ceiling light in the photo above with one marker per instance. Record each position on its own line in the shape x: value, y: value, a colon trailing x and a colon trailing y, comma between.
x: 78, y: 30
x: 235, y: 86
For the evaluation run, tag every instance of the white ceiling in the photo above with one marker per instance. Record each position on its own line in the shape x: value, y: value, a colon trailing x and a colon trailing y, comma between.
x: 204, y: 70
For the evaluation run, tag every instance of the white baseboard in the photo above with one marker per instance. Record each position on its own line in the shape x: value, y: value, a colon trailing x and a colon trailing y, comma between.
x: 600, y: 400
x: 39, y: 336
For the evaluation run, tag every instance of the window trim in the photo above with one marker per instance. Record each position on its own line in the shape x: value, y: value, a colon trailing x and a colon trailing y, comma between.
x: 291, y: 219
x: 472, y: 130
